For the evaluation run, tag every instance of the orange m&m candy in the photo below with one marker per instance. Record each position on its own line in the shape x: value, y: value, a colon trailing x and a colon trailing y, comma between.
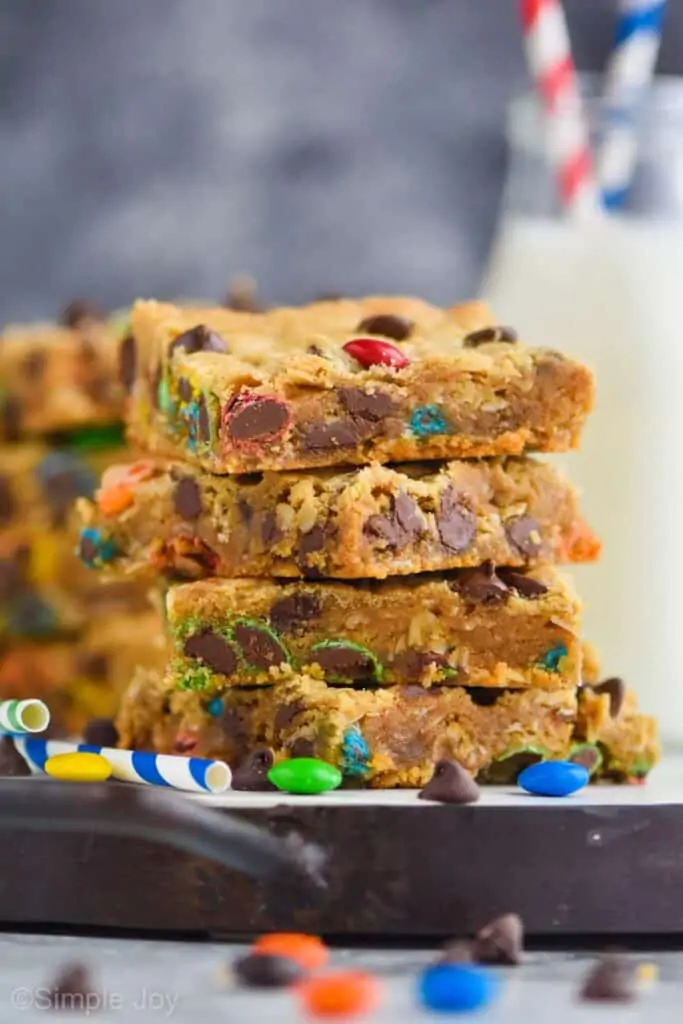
x: 342, y: 994
x: 307, y: 950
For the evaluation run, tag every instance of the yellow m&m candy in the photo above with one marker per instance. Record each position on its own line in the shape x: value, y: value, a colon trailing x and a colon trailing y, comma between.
x: 79, y: 766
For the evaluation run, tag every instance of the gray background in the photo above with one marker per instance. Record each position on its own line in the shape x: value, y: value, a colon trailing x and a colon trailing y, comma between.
x: 159, y: 147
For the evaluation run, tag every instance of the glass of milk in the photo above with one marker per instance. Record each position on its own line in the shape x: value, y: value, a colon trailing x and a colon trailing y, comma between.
x: 611, y: 293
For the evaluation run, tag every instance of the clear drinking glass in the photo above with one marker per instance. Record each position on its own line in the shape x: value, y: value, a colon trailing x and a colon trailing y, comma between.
x: 610, y: 292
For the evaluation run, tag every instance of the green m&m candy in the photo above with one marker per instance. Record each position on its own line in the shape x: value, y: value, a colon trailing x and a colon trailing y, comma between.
x: 305, y: 775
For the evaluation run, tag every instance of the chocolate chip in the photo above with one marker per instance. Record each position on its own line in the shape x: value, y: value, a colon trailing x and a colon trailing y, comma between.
x: 203, y: 420
x: 259, y: 646
x: 344, y: 661
x: 7, y: 503
x: 366, y: 405
x: 252, y: 774
x: 233, y: 725
x: 12, y: 764
x: 302, y: 748
x: 10, y: 418
x: 524, y: 535
x: 213, y: 649
x: 328, y: 436
x: 588, y: 757
x: 402, y: 524
x: 184, y: 389
x: 291, y: 614
x: 411, y: 665
x: 285, y: 715
x: 450, y: 784
x: 33, y: 364
x: 456, y: 523
x: 387, y: 324
x: 270, y: 531
x: 487, y: 334
x: 264, y: 970
x: 101, y: 732
x: 187, y: 498
x: 526, y: 586
x: 72, y: 989
x: 481, y: 585
x: 311, y: 542
x: 198, y: 339
x: 79, y: 311
x: 611, y: 980
x: 504, y: 772
x: 255, y: 418
x: 485, y: 696
x: 616, y: 689
x: 501, y: 941
x: 128, y: 362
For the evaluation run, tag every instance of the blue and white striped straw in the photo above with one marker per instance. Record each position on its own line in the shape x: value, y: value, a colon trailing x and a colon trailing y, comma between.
x: 628, y: 77
x: 191, y: 774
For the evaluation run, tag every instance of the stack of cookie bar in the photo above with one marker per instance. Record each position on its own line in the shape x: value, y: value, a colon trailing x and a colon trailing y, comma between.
x: 61, y: 634
x: 371, y: 549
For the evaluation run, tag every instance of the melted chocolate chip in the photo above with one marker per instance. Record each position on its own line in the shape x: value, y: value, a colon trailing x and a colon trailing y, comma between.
x: 450, y: 784
x: 488, y: 334
x: 256, y: 418
x: 259, y: 647
x: 213, y: 649
x: 611, y: 980
x: 343, y: 661
x: 265, y: 970
x: 616, y: 689
x: 524, y: 534
x: 187, y: 498
x: 413, y: 665
x: 128, y: 362
x: 285, y: 715
x: 252, y: 774
x: 456, y: 523
x: 79, y: 311
x: 525, y: 586
x: 12, y: 764
x: 387, y: 324
x: 328, y: 436
x: 198, y: 339
x: 311, y: 542
x: 291, y: 614
x: 203, y: 420
x: 34, y: 363
x: 101, y: 732
x: 501, y: 941
x: 364, y: 405
x: 10, y: 418
x: 7, y: 503
x: 401, y: 525
x: 184, y: 389
x: 481, y: 585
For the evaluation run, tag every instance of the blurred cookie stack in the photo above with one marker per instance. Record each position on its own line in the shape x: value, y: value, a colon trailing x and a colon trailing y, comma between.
x: 63, y: 637
x: 352, y: 601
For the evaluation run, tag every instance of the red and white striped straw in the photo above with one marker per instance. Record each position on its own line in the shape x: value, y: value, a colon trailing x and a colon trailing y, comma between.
x: 549, y: 56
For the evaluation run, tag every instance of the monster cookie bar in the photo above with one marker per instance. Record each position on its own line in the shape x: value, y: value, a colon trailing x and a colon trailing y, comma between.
x: 374, y: 522
x: 344, y: 382
x: 471, y: 627
x: 59, y: 377
x: 385, y: 737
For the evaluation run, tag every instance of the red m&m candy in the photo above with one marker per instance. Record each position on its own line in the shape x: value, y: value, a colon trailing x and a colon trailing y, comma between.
x: 372, y: 352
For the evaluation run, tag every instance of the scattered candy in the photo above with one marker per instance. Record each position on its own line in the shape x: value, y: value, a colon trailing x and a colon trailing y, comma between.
x: 501, y: 941
x: 305, y: 775
x: 553, y: 778
x: 266, y: 970
x: 309, y: 951
x: 371, y: 352
x: 611, y: 980
x: 450, y: 784
x: 252, y: 774
x: 94, y: 549
x: 342, y: 994
x: 24, y: 716
x: 78, y: 767
x: 455, y: 988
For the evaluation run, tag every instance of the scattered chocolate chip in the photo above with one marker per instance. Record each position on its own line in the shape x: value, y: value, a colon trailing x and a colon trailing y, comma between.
x: 328, y: 436
x: 285, y: 715
x: 366, y: 405
x: 616, y: 689
x: 412, y: 665
x: 184, y: 389
x: 255, y: 418
x: 264, y: 970
x: 402, y: 524
x: 270, y: 531
x: 339, y: 659
x: 611, y: 980
x: 79, y: 311
x: 187, y: 498
x: 387, y: 324
x: 198, y: 339
x: 456, y: 523
x: 525, y: 586
x: 458, y: 951
x: 213, y: 649
x: 203, y: 420
x: 72, y: 990
x: 501, y: 941
x: 291, y: 614
x: 101, y: 732
x: 33, y: 364
x: 10, y: 418
x: 302, y: 748
x: 481, y: 585
x: 487, y: 334
x: 252, y: 774
x: 524, y: 534
x: 450, y: 784
x: 259, y: 646
x: 7, y: 503
x: 128, y: 362
x: 12, y: 764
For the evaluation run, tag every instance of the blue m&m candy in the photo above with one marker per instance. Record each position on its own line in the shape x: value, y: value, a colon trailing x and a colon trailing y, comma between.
x: 456, y: 988
x: 553, y: 778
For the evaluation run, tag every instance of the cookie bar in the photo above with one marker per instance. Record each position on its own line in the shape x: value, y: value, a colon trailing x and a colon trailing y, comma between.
x: 382, y: 737
x: 59, y: 377
x: 344, y: 382
x: 372, y: 522
x: 471, y: 627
